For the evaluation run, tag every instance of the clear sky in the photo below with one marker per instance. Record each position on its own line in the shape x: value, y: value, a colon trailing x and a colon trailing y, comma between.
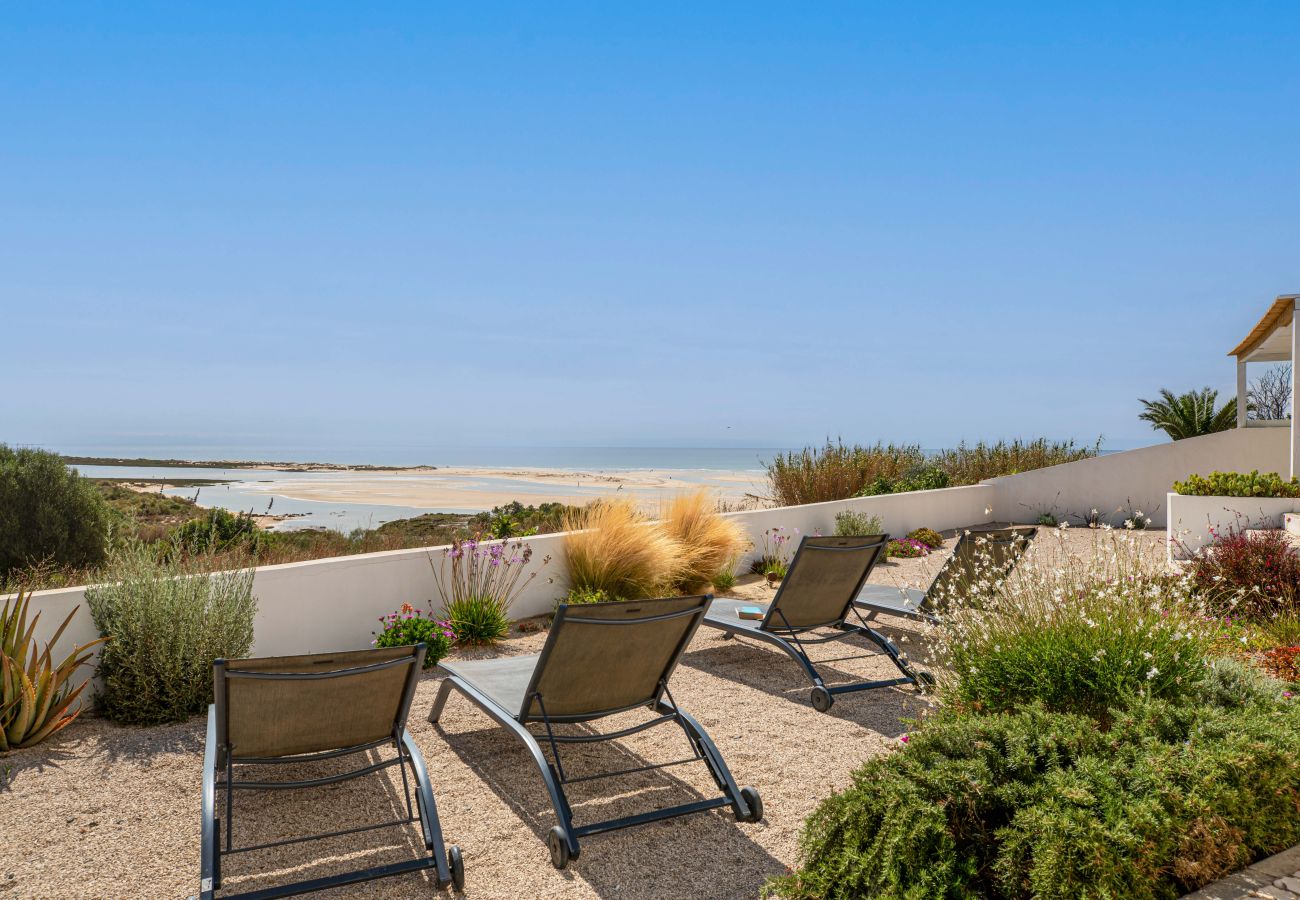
x: 330, y: 225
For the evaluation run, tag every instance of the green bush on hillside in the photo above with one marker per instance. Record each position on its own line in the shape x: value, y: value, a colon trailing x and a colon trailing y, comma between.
x: 218, y: 530
x: 48, y: 513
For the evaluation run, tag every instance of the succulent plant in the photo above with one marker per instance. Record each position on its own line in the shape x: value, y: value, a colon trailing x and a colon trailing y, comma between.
x: 35, y: 695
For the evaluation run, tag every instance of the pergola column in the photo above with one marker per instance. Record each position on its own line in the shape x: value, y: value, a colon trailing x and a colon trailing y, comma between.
x: 1295, y: 395
x: 1242, y: 393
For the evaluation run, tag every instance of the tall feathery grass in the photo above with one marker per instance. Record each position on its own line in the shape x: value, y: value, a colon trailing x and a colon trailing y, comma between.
x: 613, y: 551
x: 837, y: 471
x: 709, y: 543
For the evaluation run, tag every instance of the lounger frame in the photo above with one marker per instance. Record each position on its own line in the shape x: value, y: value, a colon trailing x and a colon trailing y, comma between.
x: 1013, y: 536
x: 220, y: 773
x: 744, y: 804
x: 776, y: 630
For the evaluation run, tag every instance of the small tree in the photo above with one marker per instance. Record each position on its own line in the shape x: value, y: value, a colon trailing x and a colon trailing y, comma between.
x: 48, y: 513
x: 1189, y: 415
x: 1270, y: 394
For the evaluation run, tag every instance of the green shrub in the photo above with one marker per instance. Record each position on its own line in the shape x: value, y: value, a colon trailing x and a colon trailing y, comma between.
x: 514, y: 519
x: 218, y: 530
x: 477, y: 620
x: 1079, y: 637
x: 906, y: 548
x: 1237, y: 484
x: 726, y: 579
x: 48, y: 513
x: 1035, y: 804
x: 410, y: 626
x: 837, y: 471
x: 855, y: 524
x: 166, y: 622
x: 580, y: 596
x: 927, y: 536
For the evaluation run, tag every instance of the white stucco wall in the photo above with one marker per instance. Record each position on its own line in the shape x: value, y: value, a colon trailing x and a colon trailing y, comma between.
x: 1191, y: 519
x: 1137, y: 478
x: 335, y: 604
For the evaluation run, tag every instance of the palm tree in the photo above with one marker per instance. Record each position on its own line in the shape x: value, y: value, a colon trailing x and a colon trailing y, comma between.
x: 1190, y: 414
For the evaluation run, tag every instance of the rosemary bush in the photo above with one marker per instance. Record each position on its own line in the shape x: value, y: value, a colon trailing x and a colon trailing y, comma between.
x: 166, y: 620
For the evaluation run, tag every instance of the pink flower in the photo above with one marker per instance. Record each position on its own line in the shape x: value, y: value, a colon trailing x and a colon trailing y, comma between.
x: 902, y: 739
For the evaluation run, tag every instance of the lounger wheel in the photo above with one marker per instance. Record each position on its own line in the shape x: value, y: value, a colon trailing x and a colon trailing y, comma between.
x: 755, y: 804
x: 821, y: 699
x: 558, y: 842
x: 456, y: 863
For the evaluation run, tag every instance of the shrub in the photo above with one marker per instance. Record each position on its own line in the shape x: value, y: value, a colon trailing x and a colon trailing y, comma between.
x: 218, y: 530
x: 1074, y: 636
x: 927, y: 536
x: 580, y: 596
x: 1048, y: 805
x: 726, y: 579
x: 906, y: 548
x: 478, y: 582
x: 36, y: 695
x: 1252, y: 575
x: 610, y: 547
x: 410, y: 626
x: 837, y: 471
x: 855, y: 524
x: 166, y: 623
x: 972, y: 464
x: 774, y: 552
x: 48, y: 513
x: 516, y: 520
x: 1237, y: 484
x: 708, y: 542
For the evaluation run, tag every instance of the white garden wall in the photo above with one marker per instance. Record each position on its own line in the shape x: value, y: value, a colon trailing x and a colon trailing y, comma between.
x: 335, y: 604
x: 1141, y: 477
x: 1191, y: 519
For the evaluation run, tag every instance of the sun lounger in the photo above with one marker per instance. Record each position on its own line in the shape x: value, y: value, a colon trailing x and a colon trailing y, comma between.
x: 306, y: 709
x: 599, y: 659
x: 815, y: 597
x: 978, y: 555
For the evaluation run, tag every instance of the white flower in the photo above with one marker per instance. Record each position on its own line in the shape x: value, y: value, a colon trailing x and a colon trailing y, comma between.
x: 1152, y: 673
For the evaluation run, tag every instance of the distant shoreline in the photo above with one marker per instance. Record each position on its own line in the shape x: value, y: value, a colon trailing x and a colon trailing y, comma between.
x: 237, y: 464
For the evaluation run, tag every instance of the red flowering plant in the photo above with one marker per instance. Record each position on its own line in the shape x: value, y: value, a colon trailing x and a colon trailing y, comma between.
x: 412, y: 626
x: 1253, y: 575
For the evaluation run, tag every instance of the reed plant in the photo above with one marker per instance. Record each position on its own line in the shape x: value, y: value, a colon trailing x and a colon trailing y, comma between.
x: 611, y: 548
x: 709, y: 543
x: 971, y: 464
x: 836, y: 471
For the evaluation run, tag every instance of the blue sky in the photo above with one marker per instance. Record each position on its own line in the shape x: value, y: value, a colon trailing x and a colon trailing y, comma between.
x: 335, y: 225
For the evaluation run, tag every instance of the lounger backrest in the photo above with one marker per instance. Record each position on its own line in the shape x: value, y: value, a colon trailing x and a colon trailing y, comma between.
x: 822, y: 580
x: 600, y: 658
x: 285, y: 705
x: 979, y: 557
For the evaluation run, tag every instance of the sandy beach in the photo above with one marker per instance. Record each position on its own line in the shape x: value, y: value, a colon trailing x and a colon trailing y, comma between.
x: 468, y: 488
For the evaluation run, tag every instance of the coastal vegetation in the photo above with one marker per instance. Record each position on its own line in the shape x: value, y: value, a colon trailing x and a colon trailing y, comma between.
x: 837, y: 471
x: 709, y: 543
x: 1095, y: 740
x: 48, y: 515
x: 1237, y: 484
x: 1192, y: 414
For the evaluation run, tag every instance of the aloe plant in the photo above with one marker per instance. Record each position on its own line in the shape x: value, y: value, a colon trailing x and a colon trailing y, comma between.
x: 35, y: 695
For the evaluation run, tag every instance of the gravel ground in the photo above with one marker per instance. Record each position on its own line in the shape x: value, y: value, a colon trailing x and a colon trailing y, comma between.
x: 107, y: 811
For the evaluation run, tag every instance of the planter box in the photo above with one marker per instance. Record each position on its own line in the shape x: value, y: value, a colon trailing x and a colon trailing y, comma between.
x: 1191, y: 519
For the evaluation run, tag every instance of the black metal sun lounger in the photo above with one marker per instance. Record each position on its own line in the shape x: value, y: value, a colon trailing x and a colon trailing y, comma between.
x: 817, y: 594
x: 599, y: 659
x: 978, y: 555
x: 304, y: 709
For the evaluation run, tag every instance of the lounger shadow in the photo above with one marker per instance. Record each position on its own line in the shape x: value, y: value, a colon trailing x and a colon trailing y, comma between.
x: 307, y: 709
x: 816, y: 596
x: 599, y: 660
x: 977, y: 555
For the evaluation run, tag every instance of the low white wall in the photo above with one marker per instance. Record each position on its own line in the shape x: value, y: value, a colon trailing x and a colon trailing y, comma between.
x: 335, y: 604
x: 1191, y: 519
x: 1136, y: 479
